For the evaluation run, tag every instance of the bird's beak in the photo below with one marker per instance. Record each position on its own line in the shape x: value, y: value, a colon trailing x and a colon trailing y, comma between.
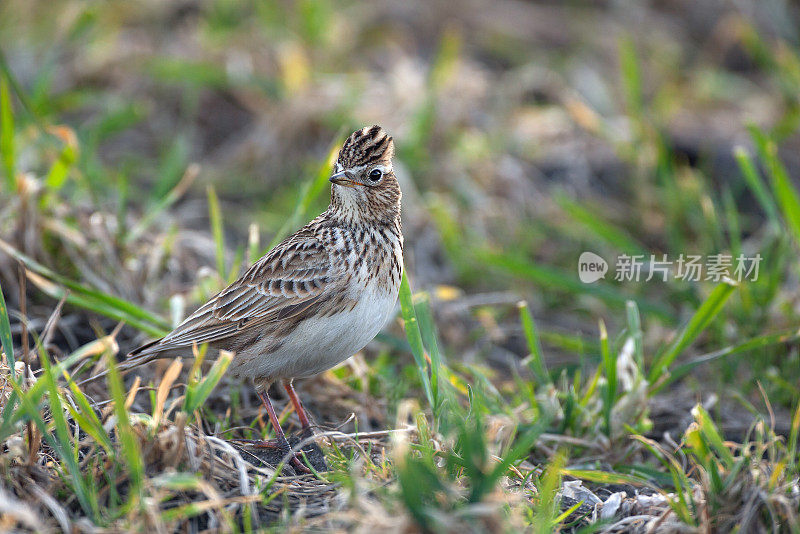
x: 341, y: 178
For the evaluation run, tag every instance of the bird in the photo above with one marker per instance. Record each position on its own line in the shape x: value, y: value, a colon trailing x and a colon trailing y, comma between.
x: 317, y: 297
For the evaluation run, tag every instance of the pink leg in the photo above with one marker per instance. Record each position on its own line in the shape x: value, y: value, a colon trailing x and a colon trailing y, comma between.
x: 282, y: 442
x: 298, y: 406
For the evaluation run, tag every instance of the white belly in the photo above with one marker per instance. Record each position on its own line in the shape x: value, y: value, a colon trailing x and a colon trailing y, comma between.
x: 318, y: 344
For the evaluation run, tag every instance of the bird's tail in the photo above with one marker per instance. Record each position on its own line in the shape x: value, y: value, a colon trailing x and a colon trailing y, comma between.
x: 140, y: 356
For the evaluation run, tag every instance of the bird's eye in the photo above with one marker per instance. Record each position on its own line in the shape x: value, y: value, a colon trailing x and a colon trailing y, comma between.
x: 375, y: 175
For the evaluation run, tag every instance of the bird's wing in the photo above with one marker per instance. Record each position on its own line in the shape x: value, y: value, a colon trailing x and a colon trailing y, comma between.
x: 290, y: 279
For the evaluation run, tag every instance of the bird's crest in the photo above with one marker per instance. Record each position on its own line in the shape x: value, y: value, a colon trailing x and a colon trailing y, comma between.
x: 368, y: 145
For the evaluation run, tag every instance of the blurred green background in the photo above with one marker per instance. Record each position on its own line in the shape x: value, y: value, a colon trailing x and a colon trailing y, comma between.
x: 527, y: 132
x: 150, y: 150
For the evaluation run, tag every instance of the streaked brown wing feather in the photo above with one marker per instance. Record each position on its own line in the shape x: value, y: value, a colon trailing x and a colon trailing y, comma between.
x: 287, y: 281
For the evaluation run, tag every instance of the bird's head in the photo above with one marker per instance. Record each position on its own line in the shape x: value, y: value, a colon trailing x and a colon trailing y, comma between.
x: 364, y: 184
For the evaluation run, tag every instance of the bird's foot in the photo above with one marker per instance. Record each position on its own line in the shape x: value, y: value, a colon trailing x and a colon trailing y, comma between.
x: 282, y: 446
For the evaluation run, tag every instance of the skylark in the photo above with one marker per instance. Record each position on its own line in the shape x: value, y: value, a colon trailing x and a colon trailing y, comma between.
x: 316, y: 298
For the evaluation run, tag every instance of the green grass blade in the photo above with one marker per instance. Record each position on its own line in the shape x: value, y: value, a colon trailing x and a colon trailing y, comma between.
x: 414, y: 336
x: 552, y: 278
x: 570, y: 342
x: 236, y: 266
x: 631, y: 77
x: 610, y: 369
x: 171, y: 166
x: 87, y: 424
x: 712, y: 436
x: 427, y: 329
x: 680, y: 481
x: 546, y: 507
x: 87, y: 418
x: 5, y: 334
x: 197, y: 394
x: 785, y: 193
x: 7, y: 344
x: 125, y: 433
x: 537, y: 363
x: 607, y: 232
x: 568, y: 512
x: 37, y: 390
x: 707, y: 311
x: 63, y: 439
x: 308, y: 194
x: 61, y: 166
x: 521, y: 448
x: 29, y: 405
x: 57, y: 292
x: 606, y: 477
x: 10, y: 416
x: 187, y: 73
x: 734, y: 222
x: 121, y: 309
x: 757, y: 186
x: 794, y: 433
x: 165, y: 202
x: 216, y: 230
x: 7, y: 134
x: 752, y: 344
x: 635, y: 330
